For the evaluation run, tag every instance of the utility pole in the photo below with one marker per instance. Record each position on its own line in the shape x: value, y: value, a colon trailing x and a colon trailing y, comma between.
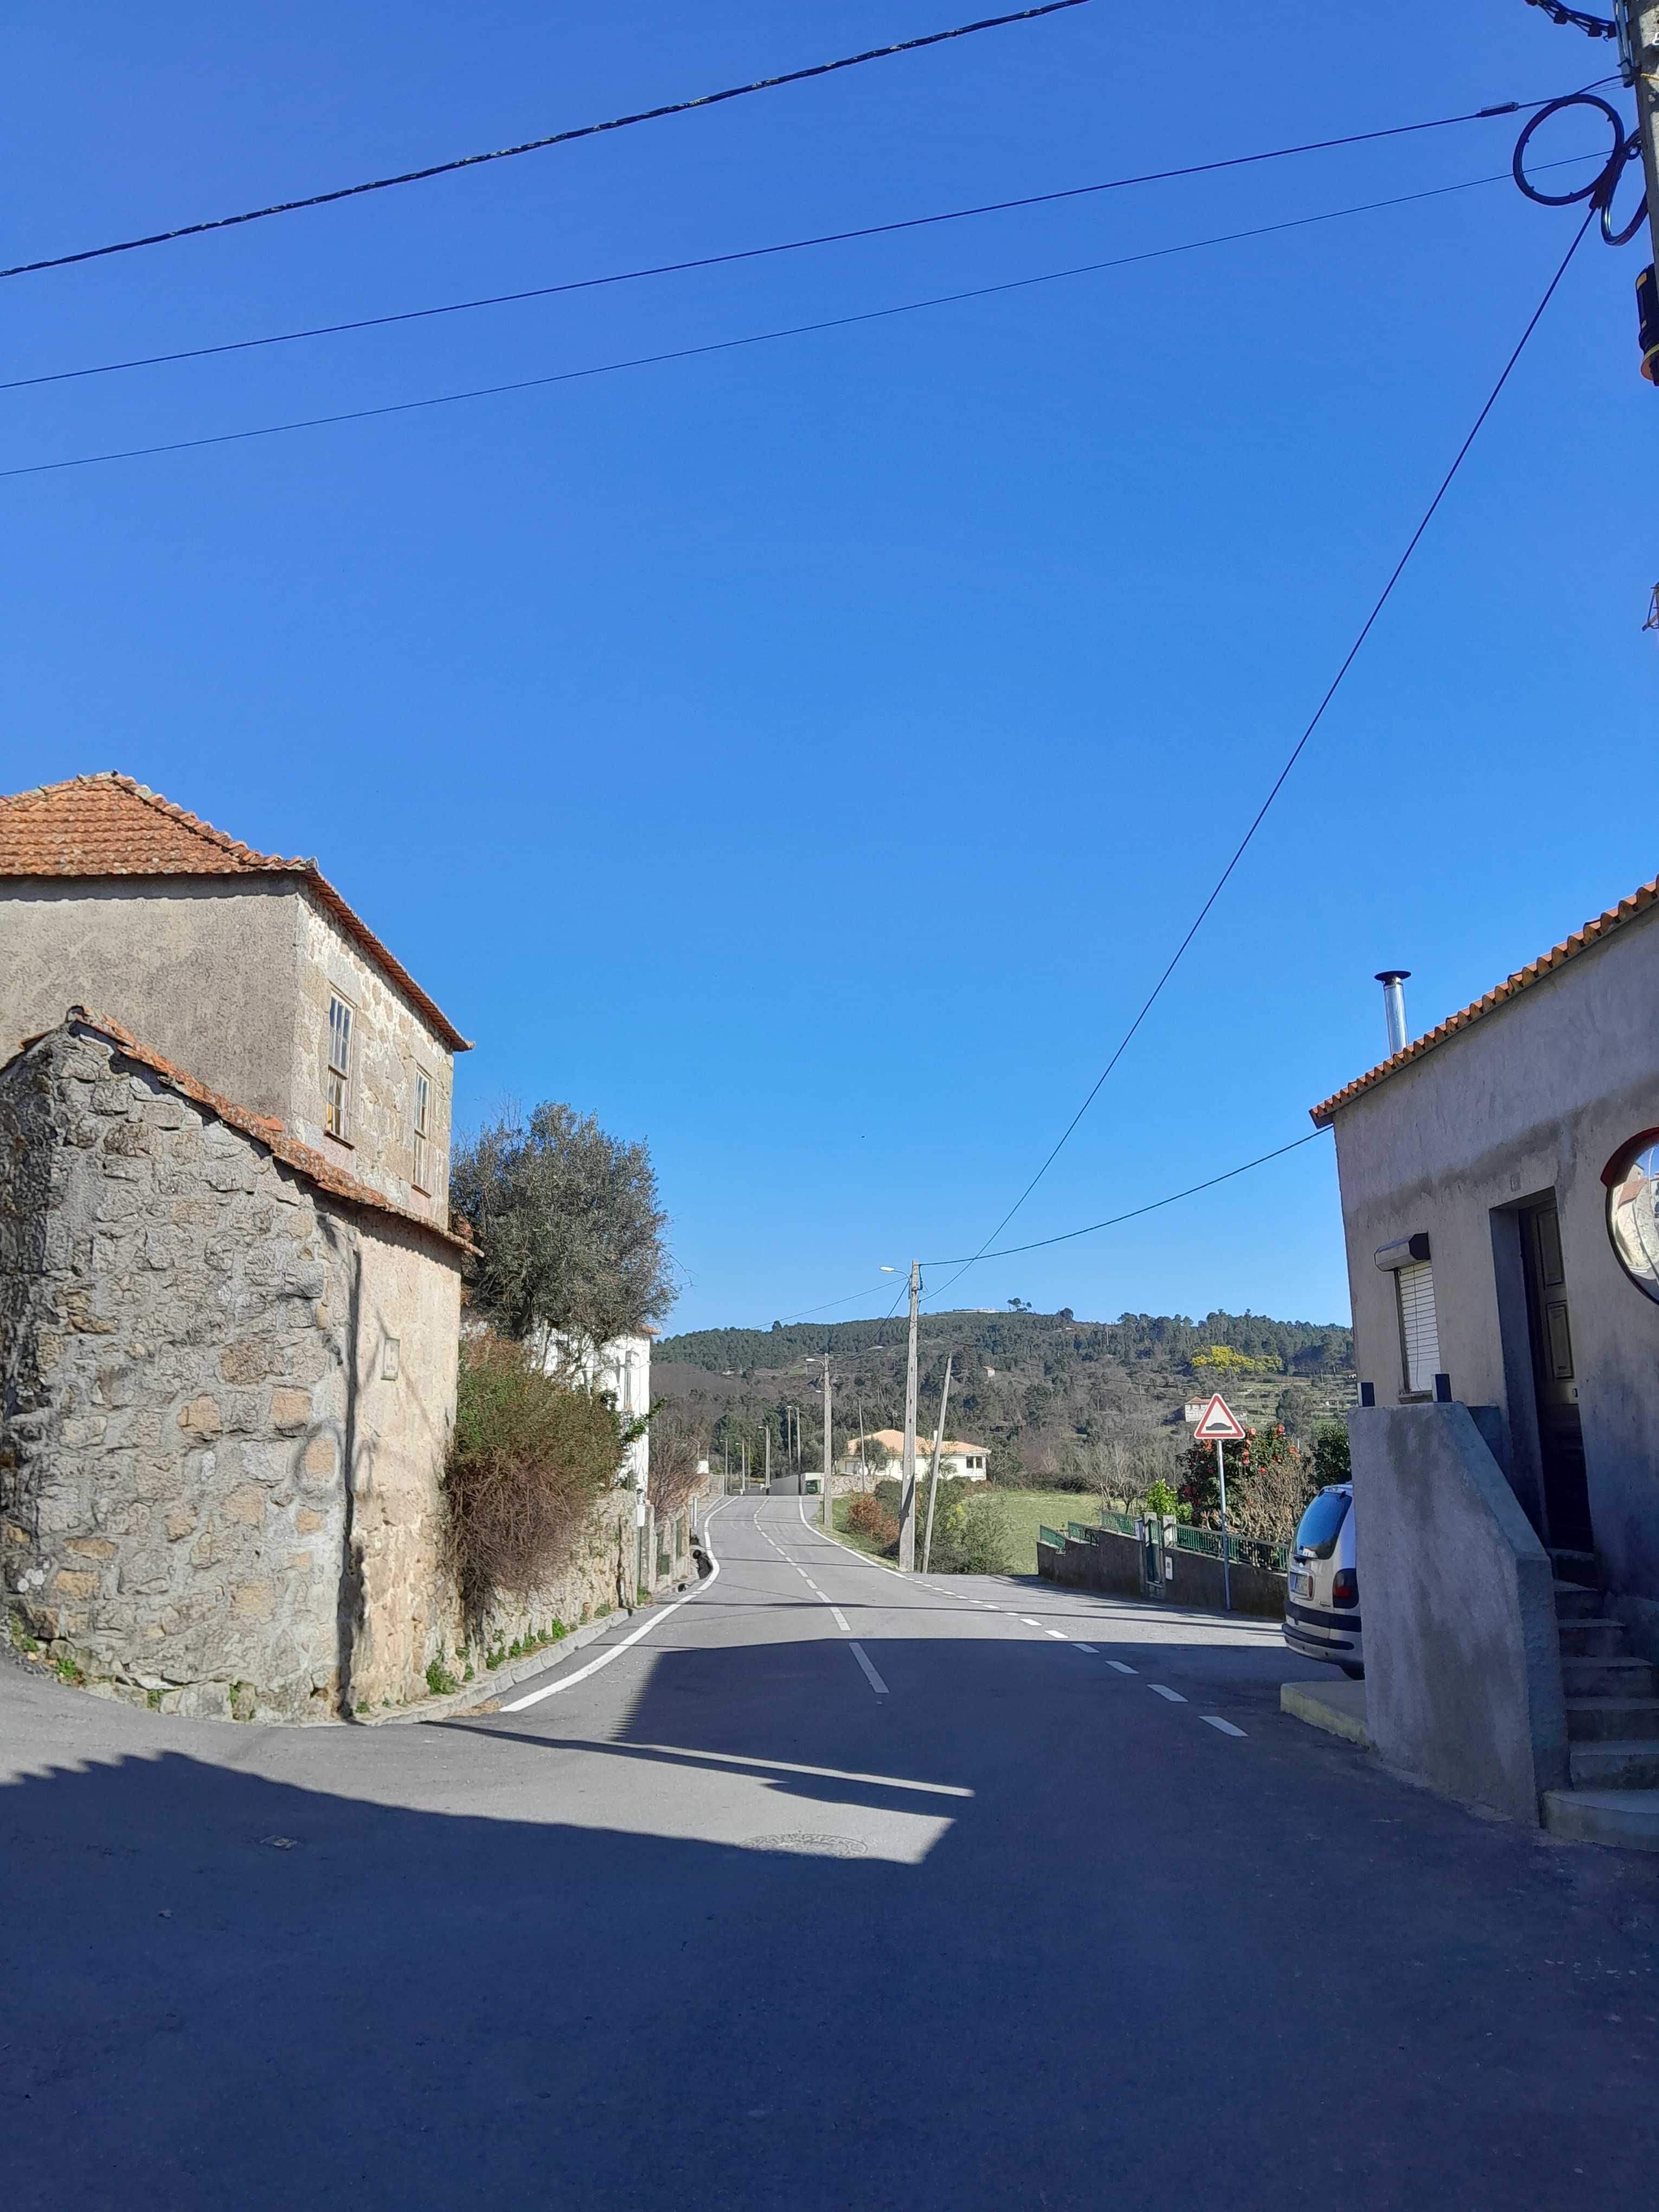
x: 1638, y: 55
x: 907, y: 1557
x: 932, y: 1479
x: 769, y: 1459
x: 828, y: 1453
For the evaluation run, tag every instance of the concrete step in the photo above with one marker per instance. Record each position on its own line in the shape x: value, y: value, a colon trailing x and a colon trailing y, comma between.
x: 1602, y: 1677
x: 1600, y: 1719
x: 1592, y: 1640
x: 1615, y: 1763
x: 1581, y: 1567
x: 1626, y: 1818
x: 1573, y: 1602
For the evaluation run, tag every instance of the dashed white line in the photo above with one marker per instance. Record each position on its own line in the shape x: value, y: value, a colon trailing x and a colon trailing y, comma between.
x: 1026, y: 1619
x: 1161, y: 1690
x: 1215, y: 1720
x: 1059, y: 1635
x: 1121, y: 1668
x: 1092, y: 1649
x: 841, y: 1620
x: 874, y: 1680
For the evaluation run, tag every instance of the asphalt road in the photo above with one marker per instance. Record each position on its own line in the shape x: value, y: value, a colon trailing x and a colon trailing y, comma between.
x: 829, y: 1891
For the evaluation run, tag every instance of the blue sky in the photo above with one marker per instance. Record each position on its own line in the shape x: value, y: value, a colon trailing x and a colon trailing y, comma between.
x: 805, y: 757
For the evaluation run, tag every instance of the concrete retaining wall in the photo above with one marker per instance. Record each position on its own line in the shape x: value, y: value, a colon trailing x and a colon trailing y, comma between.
x: 1462, y: 1661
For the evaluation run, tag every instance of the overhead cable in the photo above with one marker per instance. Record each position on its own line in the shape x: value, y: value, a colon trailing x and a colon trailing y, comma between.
x: 1297, y: 750
x: 730, y: 345
x: 760, y: 252
x: 538, y: 145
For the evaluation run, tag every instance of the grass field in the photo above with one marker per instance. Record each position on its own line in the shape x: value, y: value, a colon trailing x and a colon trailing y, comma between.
x: 1025, y: 1511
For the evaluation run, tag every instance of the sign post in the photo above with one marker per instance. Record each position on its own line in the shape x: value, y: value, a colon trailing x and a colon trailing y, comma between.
x: 1218, y: 1424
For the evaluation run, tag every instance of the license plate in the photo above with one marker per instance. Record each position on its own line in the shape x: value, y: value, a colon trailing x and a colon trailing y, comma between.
x: 1301, y: 1585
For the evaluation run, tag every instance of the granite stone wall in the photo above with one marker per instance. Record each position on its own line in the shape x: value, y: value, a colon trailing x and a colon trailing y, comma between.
x: 224, y: 1396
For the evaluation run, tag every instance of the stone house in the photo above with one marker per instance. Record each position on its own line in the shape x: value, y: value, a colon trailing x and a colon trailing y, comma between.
x: 230, y: 1295
x: 250, y: 971
x: 1498, y: 1179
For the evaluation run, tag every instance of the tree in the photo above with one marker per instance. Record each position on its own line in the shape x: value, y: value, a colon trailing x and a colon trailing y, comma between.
x: 568, y: 1226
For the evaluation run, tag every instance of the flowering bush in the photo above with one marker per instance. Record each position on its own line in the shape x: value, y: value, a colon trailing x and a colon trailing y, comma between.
x: 1268, y: 1484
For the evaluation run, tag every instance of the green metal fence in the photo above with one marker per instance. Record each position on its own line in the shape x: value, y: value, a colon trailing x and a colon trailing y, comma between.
x: 1242, y: 1551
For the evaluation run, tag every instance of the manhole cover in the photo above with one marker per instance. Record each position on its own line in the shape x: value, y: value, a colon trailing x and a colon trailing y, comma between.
x: 831, y: 1847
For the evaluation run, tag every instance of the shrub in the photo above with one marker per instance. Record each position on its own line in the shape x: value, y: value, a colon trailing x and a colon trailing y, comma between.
x: 531, y: 1457
x: 868, y: 1518
x: 1330, y: 1453
x: 1268, y: 1485
x: 439, y: 1680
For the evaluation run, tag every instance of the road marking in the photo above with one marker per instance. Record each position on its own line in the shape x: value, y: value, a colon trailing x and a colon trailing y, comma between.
x: 1090, y: 1648
x: 790, y: 1766
x: 1215, y: 1720
x: 1121, y: 1668
x: 1059, y: 1634
x: 616, y: 1651
x: 875, y: 1681
x: 1159, y: 1690
x: 841, y: 1619
x: 1026, y: 1619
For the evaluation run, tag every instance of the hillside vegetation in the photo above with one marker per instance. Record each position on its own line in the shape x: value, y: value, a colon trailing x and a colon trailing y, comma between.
x: 1055, y: 1402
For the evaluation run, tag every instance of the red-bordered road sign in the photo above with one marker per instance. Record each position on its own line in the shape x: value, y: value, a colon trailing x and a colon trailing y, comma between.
x: 1218, y: 1424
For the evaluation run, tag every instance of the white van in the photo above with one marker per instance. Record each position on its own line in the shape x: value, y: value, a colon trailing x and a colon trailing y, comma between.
x: 1322, y: 1604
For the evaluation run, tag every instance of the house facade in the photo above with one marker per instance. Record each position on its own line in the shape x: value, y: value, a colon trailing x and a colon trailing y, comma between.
x: 1498, y: 1178
x: 229, y: 1294
x: 249, y: 970
x: 957, y: 1461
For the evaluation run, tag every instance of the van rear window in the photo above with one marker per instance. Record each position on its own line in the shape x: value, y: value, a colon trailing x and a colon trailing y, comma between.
x: 1320, y: 1525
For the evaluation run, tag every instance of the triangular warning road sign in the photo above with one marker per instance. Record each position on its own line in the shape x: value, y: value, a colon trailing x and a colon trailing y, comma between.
x: 1218, y: 1424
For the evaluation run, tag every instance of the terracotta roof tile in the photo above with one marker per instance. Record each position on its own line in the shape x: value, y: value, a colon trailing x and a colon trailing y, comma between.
x: 108, y: 825
x: 265, y: 1128
x: 1593, y: 933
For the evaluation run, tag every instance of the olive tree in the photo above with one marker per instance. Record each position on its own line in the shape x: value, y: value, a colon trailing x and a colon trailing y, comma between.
x: 569, y: 1230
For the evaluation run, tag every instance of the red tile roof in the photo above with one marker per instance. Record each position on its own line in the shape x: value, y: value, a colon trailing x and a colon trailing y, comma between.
x: 1592, y: 933
x: 108, y: 825
x: 264, y: 1129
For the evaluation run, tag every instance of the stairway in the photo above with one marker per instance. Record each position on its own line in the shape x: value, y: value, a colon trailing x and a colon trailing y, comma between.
x: 1612, y: 1719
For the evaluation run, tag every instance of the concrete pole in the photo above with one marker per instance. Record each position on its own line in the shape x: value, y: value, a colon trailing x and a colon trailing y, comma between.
x: 1221, y: 1477
x: 828, y: 1452
x: 1638, y: 23
x: 932, y: 1479
x: 907, y: 1557
x: 769, y: 1459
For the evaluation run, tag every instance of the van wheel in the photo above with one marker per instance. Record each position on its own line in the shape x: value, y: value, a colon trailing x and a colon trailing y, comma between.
x: 1354, y: 1673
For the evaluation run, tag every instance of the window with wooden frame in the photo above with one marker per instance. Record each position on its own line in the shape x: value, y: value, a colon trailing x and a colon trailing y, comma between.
x: 423, y: 1145
x: 338, y: 1112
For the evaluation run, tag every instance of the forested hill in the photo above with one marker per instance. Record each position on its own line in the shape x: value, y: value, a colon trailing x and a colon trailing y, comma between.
x: 1302, y: 1347
x: 1049, y: 1397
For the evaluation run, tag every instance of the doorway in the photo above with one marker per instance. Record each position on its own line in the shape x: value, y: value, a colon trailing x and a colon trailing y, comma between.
x: 1555, y: 1386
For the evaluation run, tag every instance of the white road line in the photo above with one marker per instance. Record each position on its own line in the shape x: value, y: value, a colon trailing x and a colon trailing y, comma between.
x: 1158, y: 1690
x: 616, y: 1651
x: 1121, y: 1668
x: 715, y: 1759
x: 1215, y: 1720
x: 1059, y: 1635
x: 841, y: 1620
x: 1026, y: 1619
x: 1090, y: 1648
x: 875, y: 1681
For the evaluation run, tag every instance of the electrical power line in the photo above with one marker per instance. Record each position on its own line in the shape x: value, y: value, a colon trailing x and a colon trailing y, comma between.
x: 538, y: 145
x: 729, y: 345
x: 1066, y: 1236
x: 1008, y: 1251
x: 1297, y: 750
x: 760, y: 252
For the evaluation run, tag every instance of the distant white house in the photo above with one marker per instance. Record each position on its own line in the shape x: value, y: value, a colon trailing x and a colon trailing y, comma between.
x: 957, y: 1461
x: 622, y: 1368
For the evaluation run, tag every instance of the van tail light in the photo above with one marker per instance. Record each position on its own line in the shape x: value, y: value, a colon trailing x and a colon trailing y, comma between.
x: 1344, y: 1590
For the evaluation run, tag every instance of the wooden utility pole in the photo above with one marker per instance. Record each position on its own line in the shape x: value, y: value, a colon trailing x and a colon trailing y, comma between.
x: 932, y: 1479
x: 828, y: 1452
x: 1638, y: 53
x: 907, y: 1557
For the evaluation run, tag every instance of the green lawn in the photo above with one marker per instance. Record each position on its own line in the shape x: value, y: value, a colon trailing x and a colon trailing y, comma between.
x: 1025, y: 1511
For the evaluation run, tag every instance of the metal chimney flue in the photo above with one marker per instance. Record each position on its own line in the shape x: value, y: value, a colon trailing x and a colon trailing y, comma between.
x: 1393, y: 1006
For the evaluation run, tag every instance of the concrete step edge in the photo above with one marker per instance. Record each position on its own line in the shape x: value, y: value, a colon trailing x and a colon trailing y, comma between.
x: 1626, y: 1818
